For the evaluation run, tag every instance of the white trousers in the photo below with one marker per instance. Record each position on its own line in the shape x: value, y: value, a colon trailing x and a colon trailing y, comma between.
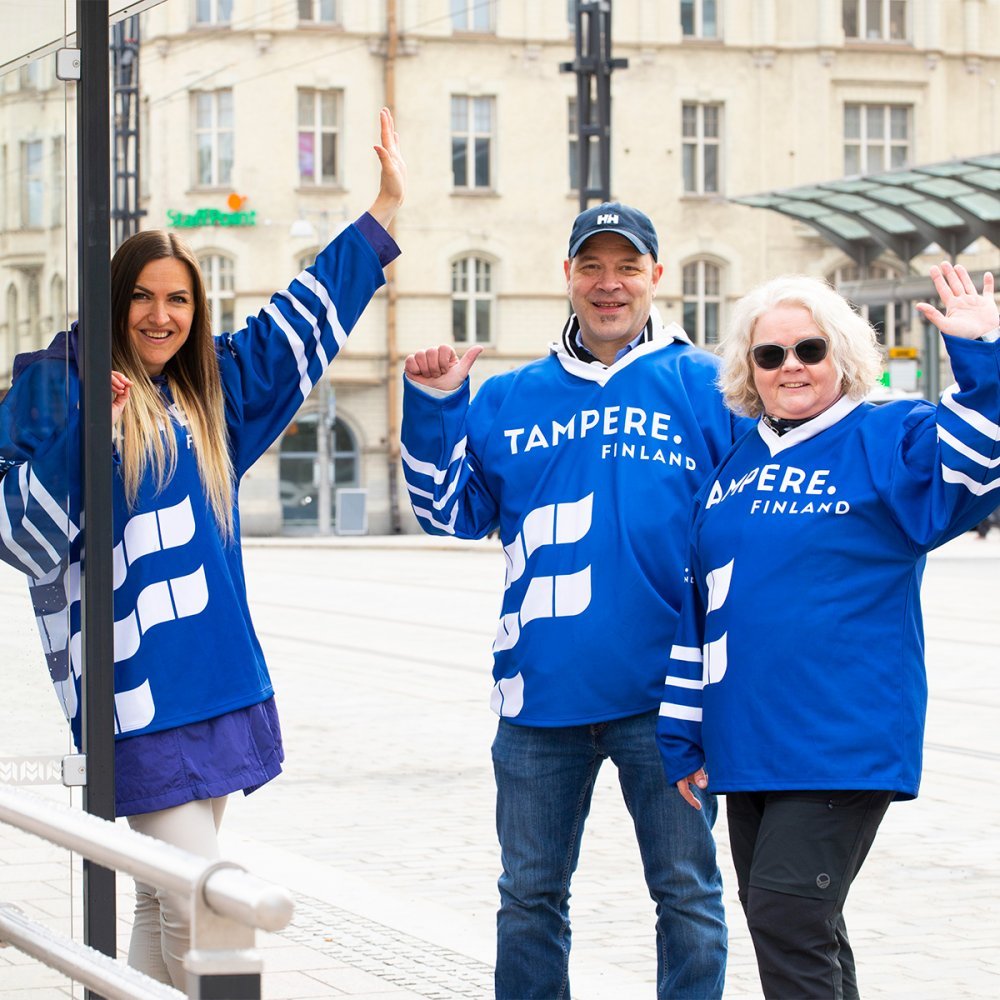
x: 161, y: 930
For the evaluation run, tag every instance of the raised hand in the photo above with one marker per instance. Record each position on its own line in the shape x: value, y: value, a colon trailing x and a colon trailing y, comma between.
x: 120, y: 387
x: 440, y: 367
x: 392, y: 182
x: 968, y: 313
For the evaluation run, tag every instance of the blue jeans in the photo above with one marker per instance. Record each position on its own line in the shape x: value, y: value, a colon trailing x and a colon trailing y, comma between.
x: 545, y: 781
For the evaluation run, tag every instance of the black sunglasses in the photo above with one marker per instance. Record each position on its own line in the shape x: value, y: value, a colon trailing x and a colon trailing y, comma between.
x: 810, y: 351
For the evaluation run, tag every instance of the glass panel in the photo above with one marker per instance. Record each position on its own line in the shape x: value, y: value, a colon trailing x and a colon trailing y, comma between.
x: 874, y: 121
x: 298, y: 489
x: 482, y: 16
x: 689, y: 120
x: 711, y: 168
x: 459, y: 114
x: 482, y: 163
x: 305, y: 10
x: 482, y: 276
x: 307, y: 157
x: 690, y: 279
x: 328, y: 11
x: 225, y: 158
x: 458, y: 14
x: 458, y: 321
x: 483, y: 321
x: 305, y: 106
x: 711, y: 116
x: 329, y: 108
x: 345, y: 472
x: 711, y: 322
x: 897, y: 20
x: 850, y: 18
x: 690, y: 158
x: 899, y: 123
x: 483, y: 114
x: 459, y: 165
x: 711, y: 279
x: 873, y: 19
x: 690, y: 321
x: 852, y: 121
x: 459, y: 276
x: 687, y: 18
x: 39, y: 427
x: 709, y: 19
x: 329, y: 158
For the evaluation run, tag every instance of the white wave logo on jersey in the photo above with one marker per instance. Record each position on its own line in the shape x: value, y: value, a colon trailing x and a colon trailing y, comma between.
x: 169, y: 600
x: 713, y: 656
x: 560, y: 596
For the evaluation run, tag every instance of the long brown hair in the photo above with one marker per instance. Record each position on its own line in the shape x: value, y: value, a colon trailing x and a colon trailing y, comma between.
x: 192, y: 375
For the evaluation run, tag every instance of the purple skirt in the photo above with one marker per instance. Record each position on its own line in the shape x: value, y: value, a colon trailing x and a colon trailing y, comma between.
x: 240, y: 750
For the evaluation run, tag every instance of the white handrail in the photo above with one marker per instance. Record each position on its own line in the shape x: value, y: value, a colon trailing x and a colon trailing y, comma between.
x: 230, y: 892
x: 98, y: 972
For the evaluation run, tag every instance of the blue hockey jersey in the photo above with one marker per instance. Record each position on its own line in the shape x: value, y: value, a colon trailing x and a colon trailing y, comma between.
x: 588, y: 474
x: 799, y: 660
x: 185, y: 647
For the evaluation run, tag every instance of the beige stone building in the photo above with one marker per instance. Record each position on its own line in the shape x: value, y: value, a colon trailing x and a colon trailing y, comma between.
x: 258, y: 117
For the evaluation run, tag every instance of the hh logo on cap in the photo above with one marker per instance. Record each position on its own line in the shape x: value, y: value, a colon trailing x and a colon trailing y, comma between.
x: 603, y: 220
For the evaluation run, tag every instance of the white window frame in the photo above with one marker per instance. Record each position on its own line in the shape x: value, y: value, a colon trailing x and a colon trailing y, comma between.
x: 320, y: 12
x: 219, y: 132
x: 698, y: 20
x: 213, y: 13
x: 317, y: 130
x: 859, y: 149
x: 867, y: 31
x: 695, y: 147
x: 464, y: 126
x: 473, y: 281
x: 705, y: 297
x: 219, y: 274
x: 474, y: 16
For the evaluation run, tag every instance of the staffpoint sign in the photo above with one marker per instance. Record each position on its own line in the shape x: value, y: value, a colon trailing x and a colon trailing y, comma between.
x: 201, y: 217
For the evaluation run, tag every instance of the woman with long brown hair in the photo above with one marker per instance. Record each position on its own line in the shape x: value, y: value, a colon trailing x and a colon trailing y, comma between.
x: 195, y: 717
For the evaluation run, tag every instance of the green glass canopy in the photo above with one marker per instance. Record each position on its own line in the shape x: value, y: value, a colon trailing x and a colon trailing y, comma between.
x: 904, y: 210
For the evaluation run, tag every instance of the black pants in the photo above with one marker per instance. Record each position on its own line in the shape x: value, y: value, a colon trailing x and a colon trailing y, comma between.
x: 796, y: 855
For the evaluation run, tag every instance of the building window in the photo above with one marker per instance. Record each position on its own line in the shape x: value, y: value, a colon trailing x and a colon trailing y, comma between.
x: 319, y: 136
x: 594, y: 180
x: 701, y: 131
x: 471, y: 301
x: 887, y: 318
x: 699, y: 18
x: 33, y: 281
x: 318, y: 11
x: 213, y: 11
x: 876, y: 137
x: 702, y: 298
x: 471, y: 141
x: 12, y: 331
x: 875, y: 20
x: 218, y: 274
x: 32, y: 185
x: 473, y: 15
x: 213, y: 134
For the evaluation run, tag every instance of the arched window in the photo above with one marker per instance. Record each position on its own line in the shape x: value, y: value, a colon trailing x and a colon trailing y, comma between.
x: 472, y: 299
x: 702, y: 296
x: 887, y: 318
x: 218, y: 273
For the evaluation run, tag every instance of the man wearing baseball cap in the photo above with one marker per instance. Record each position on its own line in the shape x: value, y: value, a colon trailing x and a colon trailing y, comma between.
x: 586, y: 462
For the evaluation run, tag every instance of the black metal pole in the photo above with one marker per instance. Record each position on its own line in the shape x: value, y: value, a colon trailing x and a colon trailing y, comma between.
x: 96, y: 609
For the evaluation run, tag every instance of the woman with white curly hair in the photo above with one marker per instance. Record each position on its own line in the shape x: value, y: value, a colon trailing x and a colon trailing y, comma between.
x: 797, y: 680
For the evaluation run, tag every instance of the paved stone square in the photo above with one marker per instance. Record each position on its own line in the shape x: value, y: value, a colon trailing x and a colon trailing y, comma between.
x: 382, y: 824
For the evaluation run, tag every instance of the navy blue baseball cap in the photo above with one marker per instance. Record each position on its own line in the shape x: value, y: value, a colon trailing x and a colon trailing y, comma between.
x: 614, y: 217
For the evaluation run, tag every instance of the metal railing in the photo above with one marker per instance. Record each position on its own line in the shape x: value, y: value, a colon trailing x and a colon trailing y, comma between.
x: 227, y: 906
